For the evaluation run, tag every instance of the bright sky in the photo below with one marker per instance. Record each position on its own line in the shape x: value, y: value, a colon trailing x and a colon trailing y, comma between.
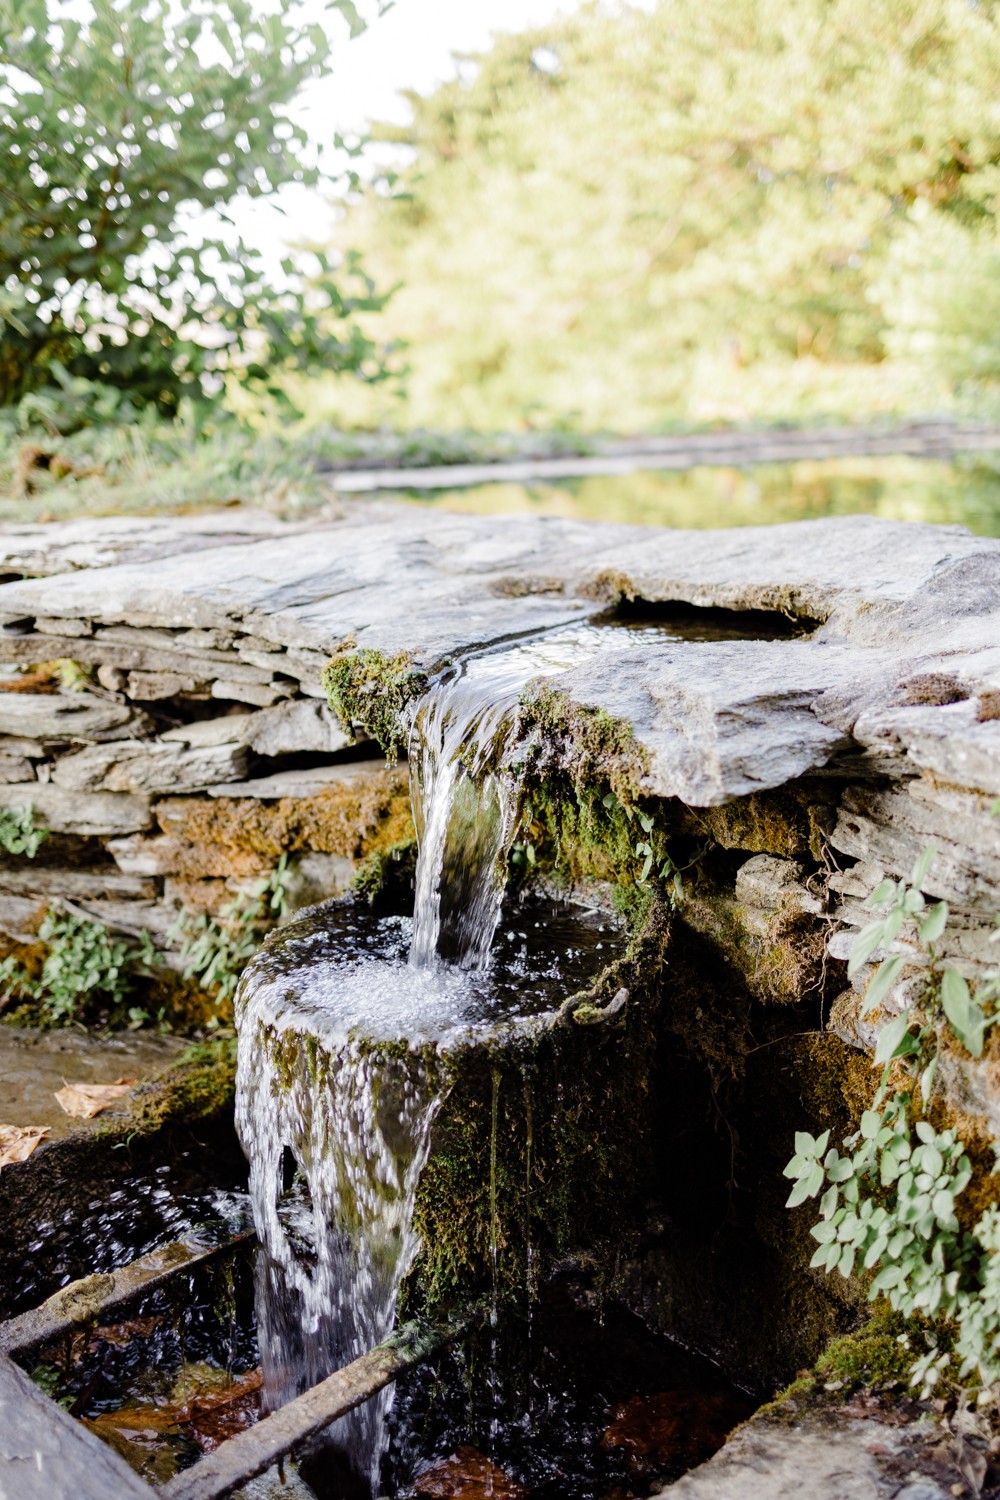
x: 410, y: 47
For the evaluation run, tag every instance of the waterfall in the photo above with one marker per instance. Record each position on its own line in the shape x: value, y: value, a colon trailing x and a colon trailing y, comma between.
x: 335, y: 1115
x: 465, y: 810
x: 466, y: 801
x: 336, y: 1153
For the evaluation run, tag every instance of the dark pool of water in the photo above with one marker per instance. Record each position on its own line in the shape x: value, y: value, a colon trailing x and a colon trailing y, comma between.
x: 115, y: 1219
x: 606, y: 1409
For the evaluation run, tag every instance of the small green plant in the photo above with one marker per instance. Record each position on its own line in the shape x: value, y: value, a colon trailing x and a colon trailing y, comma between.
x: 86, y: 970
x: 19, y: 833
x: 888, y: 1203
x: 668, y: 871
x: 216, y: 950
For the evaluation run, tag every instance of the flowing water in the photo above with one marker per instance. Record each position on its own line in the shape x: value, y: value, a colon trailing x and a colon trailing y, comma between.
x: 336, y: 1117
x: 342, y: 1016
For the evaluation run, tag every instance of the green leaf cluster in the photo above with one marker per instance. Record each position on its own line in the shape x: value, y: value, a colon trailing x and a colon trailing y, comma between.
x: 19, y: 834
x: 87, y: 972
x: 117, y: 131
x: 652, y: 851
x: 888, y: 1201
x: 216, y: 950
x: 946, y: 992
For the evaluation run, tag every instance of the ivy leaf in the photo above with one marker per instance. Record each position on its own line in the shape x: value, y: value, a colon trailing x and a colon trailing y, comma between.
x: 933, y: 924
x: 892, y: 1038
x: 864, y: 946
x: 846, y: 1265
x: 965, y: 1016
x: 927, y: 1081
x: 922, y: 864
x: 884, y: 978
x: 806, y: 1187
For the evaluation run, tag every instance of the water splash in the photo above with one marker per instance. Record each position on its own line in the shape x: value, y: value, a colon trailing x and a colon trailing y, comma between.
x: 336, y: 1118
x: 335, y: 1217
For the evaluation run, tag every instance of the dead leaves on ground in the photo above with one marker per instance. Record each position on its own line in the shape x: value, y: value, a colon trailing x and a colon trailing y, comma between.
x: 18, y: 1141
x: 82, y: 1101
x: 85, y: 1100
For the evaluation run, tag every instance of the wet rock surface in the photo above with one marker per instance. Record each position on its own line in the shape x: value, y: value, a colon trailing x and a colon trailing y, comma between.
x: 35, y: 1065
x: 865, y: 1450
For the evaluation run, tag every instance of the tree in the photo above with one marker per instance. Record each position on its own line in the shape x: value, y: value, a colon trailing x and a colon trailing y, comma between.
x: 114, y: 131
x: 636, y: 203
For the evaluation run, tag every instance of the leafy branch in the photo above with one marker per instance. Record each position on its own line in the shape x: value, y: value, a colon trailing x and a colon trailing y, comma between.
x: 888, y: 1203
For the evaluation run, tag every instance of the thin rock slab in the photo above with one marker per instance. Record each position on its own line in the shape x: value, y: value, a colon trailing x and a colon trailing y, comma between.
x: 88, y: 814
x: 824, y: 1456
x: 46, y: 1455
x: 294, y: 728
x: 68, y: 717
x: 149, y: 768
x: 50, y: 548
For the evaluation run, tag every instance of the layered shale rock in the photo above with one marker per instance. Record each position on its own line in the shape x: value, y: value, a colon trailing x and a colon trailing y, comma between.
x: 854, y: 651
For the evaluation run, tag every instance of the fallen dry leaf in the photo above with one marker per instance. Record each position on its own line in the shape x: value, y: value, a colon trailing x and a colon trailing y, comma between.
x: 84, y: 1100
x: 672, y: 1428
x: 209, y: 1417
x: 467, y: 1475
x: 18, y: 1141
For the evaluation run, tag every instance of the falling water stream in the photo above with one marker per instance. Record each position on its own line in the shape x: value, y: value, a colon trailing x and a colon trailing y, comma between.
x: 336, y: 1118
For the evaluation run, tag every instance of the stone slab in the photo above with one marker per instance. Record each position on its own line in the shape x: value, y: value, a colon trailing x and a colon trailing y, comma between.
x: 35, y: 1064
x: 155, y: 767
x: 823, y: 1457
x: 893, y: 599
x: 89, y: 814
x: 69, y: 717
x: 19, y: 915
x: 47, y: 881
x: 99, y: 541
x: 46, y: 1455
x: 307, y: 783
x: 296, y: 728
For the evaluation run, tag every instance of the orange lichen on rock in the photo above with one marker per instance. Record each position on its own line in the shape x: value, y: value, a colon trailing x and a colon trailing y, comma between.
x: 364, y: 811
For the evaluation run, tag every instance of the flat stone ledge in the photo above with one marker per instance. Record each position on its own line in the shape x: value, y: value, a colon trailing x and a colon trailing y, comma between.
x: 830, y: 1454
x: 46, y: 1455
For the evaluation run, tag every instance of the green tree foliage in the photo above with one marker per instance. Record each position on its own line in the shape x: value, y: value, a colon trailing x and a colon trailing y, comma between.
x: 115, y: 131
x: 631, y: 207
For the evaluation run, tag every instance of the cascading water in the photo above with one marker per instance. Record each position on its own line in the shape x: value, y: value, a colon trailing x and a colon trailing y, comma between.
x: 335, y: 1116
x: 465, y: 801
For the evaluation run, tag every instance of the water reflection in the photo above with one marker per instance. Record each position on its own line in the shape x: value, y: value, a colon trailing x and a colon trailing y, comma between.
x: 965, y: 492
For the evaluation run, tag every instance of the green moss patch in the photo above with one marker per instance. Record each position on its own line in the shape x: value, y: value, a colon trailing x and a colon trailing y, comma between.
x: 371, y: 689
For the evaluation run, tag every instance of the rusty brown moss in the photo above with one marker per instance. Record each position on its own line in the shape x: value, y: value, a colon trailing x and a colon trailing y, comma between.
x: 792, y: 822
x: 783, y: 965
x: 368, y: 812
